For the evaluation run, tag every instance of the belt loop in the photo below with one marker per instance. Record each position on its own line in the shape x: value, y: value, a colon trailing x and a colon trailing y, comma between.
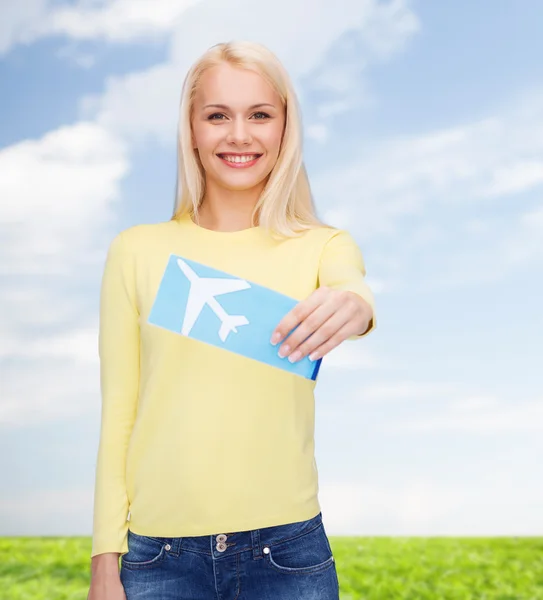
x: 176, y: 545
x: 255, y: 540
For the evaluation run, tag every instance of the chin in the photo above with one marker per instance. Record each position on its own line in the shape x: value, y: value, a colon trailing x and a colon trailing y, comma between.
x: 241, y: 181
x: 240, y: 187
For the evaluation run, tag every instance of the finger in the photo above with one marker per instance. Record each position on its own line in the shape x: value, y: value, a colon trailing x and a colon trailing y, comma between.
x: 303, y: 335
x: 295, y: 316
x: 341, y: 335
x: 325, y: 332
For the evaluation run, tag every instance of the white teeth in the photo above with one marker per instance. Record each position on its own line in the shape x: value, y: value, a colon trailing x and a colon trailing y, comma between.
x: 239, y: 159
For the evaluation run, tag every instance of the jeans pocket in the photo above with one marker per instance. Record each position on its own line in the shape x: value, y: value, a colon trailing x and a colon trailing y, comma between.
x: 305, y: 554
x: 144, y: 552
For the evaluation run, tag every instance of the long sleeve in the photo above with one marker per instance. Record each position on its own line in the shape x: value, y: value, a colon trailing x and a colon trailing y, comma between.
x: 119, y: 351
x: 342, y: 267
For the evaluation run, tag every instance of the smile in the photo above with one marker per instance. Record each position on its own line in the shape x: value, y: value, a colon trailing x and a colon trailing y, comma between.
x: 239, y: 162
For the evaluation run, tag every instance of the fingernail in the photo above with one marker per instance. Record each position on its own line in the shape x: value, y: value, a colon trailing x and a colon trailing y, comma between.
x: 283, y: 351
x: 275, y: 338
x: 295, y: 356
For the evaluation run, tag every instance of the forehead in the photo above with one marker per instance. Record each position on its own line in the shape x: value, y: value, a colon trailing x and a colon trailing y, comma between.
x: 236, y: 87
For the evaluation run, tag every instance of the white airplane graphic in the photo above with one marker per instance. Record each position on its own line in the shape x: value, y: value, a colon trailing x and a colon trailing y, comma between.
x: 203, y: 291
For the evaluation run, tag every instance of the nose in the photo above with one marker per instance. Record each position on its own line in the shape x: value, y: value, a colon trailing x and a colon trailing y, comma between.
x: 239, y: 132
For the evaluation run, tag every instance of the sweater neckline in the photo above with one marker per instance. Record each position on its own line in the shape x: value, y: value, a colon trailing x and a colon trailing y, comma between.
x: 239, y: 234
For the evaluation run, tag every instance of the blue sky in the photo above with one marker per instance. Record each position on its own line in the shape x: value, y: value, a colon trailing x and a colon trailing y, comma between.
x: 423, y: 136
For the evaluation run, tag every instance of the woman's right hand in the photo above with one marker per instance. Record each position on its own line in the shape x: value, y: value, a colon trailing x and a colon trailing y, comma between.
x: 105, y: 578
x: 106, y: 588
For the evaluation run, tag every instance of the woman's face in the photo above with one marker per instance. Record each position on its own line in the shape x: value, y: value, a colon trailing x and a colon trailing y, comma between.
x: 237, y: 127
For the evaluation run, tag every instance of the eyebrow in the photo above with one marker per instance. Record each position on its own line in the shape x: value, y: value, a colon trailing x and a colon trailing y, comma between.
x: 227, y: 108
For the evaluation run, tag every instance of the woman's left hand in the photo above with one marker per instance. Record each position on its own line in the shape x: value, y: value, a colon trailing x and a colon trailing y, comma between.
x: 329, y: 316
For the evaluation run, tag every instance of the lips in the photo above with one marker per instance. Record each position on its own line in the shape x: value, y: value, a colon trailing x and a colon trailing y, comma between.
x: 239, y: 164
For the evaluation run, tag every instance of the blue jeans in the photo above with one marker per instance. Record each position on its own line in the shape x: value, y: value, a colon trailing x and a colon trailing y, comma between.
x: 283, y: 562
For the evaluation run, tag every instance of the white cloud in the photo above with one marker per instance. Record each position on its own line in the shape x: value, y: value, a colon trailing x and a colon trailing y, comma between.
x: 403, y: 175
x: 118, y: 21
x: 47, y: 512
x: 52, y: 389
x: 494, y: 250
x: 61, y: 192
x: 439, y: 164
x: 139, y: 105
x: 352, y: 354
x: 420, y: 507
x: 80, y: 345
x: 145, y: 103
x: 17, y: 19
x: 439, y: 406
x: 388, y: 188
x: 481, y: 416
x: 401, y: 390
x: 524, y: 243
x: 317, y: 132
x: 369, y: 509
x: 514, y: 178
x: 338, y: 216
x: 470, y: 404
x: 386, y: 25
x: 71, y: 53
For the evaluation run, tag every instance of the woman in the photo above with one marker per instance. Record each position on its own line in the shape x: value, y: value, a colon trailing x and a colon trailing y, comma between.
x: 206, y: 482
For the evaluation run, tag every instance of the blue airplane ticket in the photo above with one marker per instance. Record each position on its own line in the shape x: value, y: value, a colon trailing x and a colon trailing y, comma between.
x: 221, y: 309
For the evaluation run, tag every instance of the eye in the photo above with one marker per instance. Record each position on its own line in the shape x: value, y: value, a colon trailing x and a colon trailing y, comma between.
x: 265, y: 116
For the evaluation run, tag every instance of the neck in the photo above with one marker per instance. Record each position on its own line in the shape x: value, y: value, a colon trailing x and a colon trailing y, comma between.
x: 227, y: 210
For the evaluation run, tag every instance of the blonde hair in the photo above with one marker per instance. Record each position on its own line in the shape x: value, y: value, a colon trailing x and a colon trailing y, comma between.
x: 285, y: 206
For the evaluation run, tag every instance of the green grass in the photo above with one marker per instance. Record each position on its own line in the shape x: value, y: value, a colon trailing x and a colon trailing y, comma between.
x: 369, y: 568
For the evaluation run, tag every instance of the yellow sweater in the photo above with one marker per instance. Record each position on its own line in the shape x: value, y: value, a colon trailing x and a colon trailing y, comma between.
x: 196, y: 439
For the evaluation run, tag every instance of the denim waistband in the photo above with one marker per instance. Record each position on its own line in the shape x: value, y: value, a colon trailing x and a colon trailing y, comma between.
x: 240, y: 541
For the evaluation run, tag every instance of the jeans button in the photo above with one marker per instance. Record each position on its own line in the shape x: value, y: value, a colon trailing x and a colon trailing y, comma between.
x: 221, y: 537
x: 221, y: 547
